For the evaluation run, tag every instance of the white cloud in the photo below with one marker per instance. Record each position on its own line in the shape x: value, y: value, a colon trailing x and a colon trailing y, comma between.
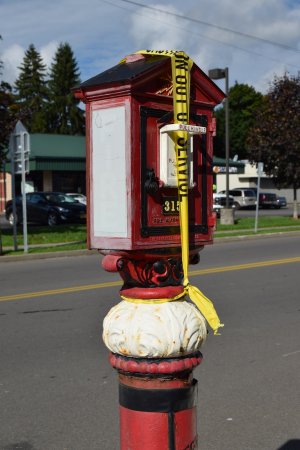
x: 48, y: 51
x: 263, y: 84
x: 101, y: 33
x: 249, y: 60
x: 158, y: 31
x: 12, y: 58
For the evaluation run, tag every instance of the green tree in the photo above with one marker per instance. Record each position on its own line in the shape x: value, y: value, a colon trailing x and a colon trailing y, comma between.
x: 6, y: 119
x: 5, y: 98
x: 244, y: 101
x: 6, y: 115
x: 274, y: 140
x: 31, y: 91
x: 65, y: 116
x: 3, y: 108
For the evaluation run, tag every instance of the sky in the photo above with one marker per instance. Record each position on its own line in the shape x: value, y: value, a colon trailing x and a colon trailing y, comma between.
x: 255, y: 39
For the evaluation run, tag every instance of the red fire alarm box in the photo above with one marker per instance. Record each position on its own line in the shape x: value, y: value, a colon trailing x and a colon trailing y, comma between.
x: 131, y: 165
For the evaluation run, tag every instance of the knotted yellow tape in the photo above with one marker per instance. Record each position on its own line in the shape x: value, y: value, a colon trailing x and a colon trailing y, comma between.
x: 154, y: 301
x: 181, y: 68
x: 197, y: 297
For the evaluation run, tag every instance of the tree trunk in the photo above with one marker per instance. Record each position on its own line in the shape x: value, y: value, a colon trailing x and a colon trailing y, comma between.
x: 295, y: 209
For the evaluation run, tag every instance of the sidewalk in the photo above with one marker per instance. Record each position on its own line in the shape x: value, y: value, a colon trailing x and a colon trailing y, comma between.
x: 56, y: 244
x: 48, y: 255
x: 249, y: 230
x: 67, y: 253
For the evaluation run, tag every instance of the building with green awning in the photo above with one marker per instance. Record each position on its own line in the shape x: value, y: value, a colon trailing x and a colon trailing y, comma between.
x: 56, y: 163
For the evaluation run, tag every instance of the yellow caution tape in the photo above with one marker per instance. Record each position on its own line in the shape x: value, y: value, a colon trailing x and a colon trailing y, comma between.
x: 181, y: 68
x: 156, y: 300
x: 197, y: 297
x: 205, y: 306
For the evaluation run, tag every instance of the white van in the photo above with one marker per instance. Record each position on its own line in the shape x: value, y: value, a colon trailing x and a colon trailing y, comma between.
x: 243, y: 197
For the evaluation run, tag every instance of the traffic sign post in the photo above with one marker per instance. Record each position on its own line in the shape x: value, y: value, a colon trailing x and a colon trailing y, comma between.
x: 260, y: 168
x: 13, y: 188
x: 19, y: 146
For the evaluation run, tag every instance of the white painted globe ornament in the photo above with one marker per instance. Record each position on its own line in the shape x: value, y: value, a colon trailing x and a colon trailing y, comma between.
x: 147, y: 330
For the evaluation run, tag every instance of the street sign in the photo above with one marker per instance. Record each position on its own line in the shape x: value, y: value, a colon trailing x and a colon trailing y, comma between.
x: 260, y: 168
x: 19, y: 147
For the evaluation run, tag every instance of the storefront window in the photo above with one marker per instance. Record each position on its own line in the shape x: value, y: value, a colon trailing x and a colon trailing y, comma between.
x: 68, y: 181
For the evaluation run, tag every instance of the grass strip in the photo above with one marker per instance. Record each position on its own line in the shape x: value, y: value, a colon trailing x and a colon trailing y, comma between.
x: 46, y: 235
x: 73, y: 237
x: 245, y: 223
x: 54, y: 248
x: 252, y: 233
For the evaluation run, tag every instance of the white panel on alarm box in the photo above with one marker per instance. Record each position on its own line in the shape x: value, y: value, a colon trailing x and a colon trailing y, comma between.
x: 109, y: 192
x: 167, y: 154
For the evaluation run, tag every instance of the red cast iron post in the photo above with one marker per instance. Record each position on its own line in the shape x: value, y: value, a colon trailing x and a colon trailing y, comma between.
x: 155, y: 349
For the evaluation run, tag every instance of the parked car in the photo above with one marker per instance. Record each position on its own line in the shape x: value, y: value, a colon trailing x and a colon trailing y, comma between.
x: 266, y: 199
x: 220, y: 202
x: 242, y: 197
x: 81, y: 198
x: 49, y: 208
x: 281, y: 202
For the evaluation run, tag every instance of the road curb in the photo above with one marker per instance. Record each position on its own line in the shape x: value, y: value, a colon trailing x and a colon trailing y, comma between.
x: 48, y: 255
x: 249, y: 237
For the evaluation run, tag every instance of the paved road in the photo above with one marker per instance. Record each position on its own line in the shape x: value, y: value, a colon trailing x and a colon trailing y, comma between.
x: 58, y: 392
x: 265, y: 212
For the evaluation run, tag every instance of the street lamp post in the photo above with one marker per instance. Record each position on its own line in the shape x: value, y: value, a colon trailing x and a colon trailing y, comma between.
x: 217, y: 74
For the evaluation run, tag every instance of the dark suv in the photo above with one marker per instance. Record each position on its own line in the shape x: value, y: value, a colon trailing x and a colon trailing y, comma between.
x: 49, y: 208
x: 266, y: 199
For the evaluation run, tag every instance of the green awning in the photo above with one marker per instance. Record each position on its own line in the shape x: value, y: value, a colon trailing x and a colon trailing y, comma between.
x: 56, y: 153
x: 55, y: 164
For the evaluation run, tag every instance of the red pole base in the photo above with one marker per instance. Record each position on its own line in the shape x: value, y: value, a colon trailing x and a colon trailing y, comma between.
x: 158, y: 431
x: 158, y: 411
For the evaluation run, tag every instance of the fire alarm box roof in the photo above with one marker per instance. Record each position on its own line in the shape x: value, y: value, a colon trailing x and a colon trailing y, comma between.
x: 125, y: 71
x: 152, y: 74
